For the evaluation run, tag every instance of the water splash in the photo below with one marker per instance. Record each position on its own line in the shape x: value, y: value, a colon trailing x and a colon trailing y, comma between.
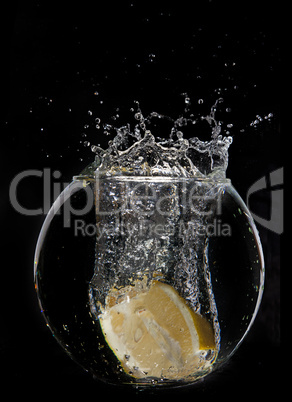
x: 137, y: 152
x: 132, y: 249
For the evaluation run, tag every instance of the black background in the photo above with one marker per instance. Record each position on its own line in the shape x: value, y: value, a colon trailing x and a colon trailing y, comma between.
x: 56, y: 57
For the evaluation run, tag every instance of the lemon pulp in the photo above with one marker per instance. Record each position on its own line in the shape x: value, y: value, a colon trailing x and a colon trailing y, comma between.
x: 154, y: 333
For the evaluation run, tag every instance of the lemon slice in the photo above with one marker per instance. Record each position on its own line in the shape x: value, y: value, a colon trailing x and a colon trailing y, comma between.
x: 154, y: 333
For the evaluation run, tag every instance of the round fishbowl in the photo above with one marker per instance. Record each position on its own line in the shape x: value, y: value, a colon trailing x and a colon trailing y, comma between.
x: 149, y: 280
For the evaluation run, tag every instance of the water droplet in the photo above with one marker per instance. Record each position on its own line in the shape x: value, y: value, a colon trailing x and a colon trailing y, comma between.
x: 254, y: 123
x: 152, y: 57
x: 200, y: 101
x: 269, y: 116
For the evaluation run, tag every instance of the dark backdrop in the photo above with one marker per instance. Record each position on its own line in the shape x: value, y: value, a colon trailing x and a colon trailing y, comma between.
x: 68, y: 63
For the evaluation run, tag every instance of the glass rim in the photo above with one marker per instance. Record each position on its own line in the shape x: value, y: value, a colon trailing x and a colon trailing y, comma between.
x: 157, y: 178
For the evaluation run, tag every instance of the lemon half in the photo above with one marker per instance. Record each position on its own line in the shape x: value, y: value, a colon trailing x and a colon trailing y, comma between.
x: 154, y: 333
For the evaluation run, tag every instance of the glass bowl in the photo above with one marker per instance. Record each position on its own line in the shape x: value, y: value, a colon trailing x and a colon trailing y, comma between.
x: 149, y: 281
